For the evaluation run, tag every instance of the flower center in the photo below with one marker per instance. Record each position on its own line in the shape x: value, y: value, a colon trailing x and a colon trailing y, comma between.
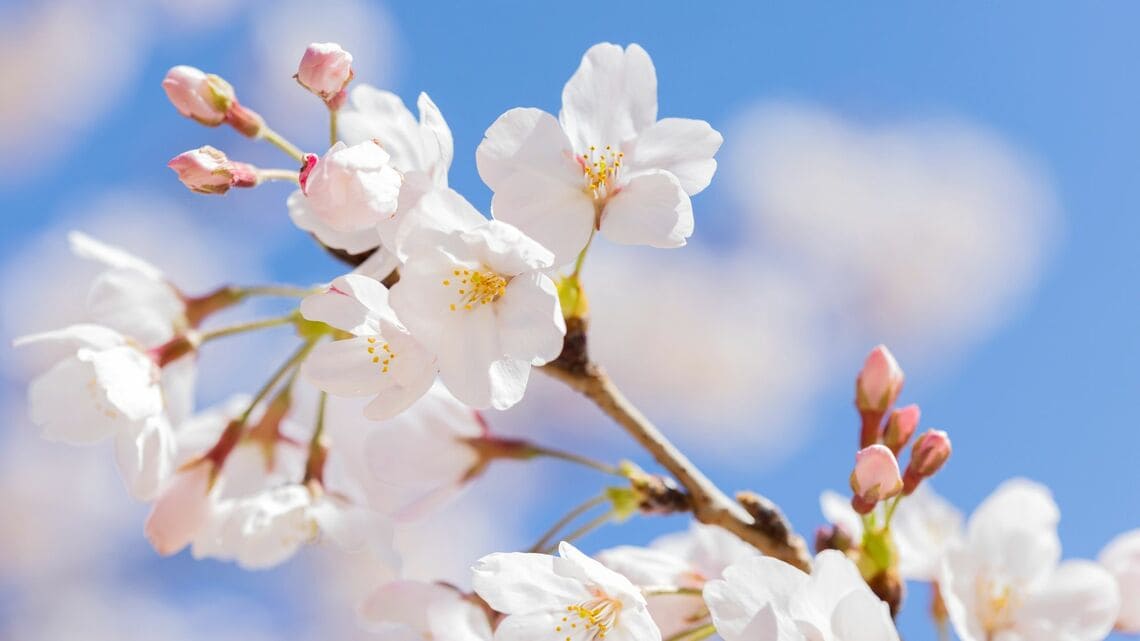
x: 381, y: 353
x: 589, y: 620
x: 997, y: 605
x: 475, y: 287
x: 600, y: 171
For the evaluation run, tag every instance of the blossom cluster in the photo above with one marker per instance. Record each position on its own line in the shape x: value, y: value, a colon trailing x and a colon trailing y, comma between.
x: 440, y: 321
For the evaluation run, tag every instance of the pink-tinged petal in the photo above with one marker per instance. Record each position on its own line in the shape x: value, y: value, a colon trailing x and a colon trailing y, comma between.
x: 861, y: 616
x: 520, y: 582
x: 680, y: 146
x: 531, y: 326
x: 353, y: 242
x: 145, y: 457
x: 651, y: 209
x: 1121, y: 557
x: 181, y: 510
x: 879, y: 382
x: 1080, y: 601
x: 611, y: 97
x: 345, y: 367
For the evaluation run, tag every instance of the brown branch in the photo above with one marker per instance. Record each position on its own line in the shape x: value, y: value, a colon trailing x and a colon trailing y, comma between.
x: 755, y: 519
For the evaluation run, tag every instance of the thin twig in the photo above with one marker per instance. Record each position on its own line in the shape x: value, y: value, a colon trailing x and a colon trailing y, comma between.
x: 581, y: 509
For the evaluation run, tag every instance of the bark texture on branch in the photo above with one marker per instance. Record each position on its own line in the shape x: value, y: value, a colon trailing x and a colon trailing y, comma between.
x: 755, y: 519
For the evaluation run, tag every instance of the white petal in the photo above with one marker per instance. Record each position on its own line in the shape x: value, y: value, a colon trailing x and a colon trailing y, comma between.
x: 523, y: 582
x: 838, y: 511
x: 531, y: 326
x: 355, y: 528
x: 923, y: 527
x: 148, y: 310
x: 611, y: 97
x: 861, y: 616
x: 531, y: 625
x: 634, y: 624
x: 353, y: 242
x: 438, y: 144
x: 1080, y: 602
x: 833, y: 578
x: 472, y: 365
x: 1018, y: 502
x: 345, y: 368
x: 145, y: 457
x: 85, y: 246
x: 1121, y: 557
x: 747, y: 587
x: 65, y: 341
x: 374, y: 114
x: 571, y: 562
x: 528, y: 162
x: 505, y: 249
x: 683, y: 147
x: 645, y: 566
x: 438, y: 210
x: 352, y: 303
x: 128, y: 379
x: 63, y: 405
x: 412, y: 373
x: 651, y: 209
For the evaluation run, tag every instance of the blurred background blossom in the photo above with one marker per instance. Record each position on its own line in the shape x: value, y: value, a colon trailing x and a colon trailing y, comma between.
x: 953, y: 181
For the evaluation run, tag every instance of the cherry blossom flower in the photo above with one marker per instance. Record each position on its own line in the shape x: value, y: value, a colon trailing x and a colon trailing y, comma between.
x: 605, y: 163
x: 266, y: 528
x: 1121, y: 557
x: 425, y: 612
x: 381, y: 359
x: 680, y: 560
x: 428, y: 454
x: 569, y: 596
x: 763, y: 598
x: 420, y: 150
x: 325, y: 70
x: 479, y: 300
x: 102, y: 384
x: 132, y: 296
x: 1004, y: 580
x: 181, y: 511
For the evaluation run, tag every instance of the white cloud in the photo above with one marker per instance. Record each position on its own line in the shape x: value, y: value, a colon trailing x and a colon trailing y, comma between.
x: 60, y: 89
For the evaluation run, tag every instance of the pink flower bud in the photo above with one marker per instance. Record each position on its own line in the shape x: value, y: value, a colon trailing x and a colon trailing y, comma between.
x: 325, y: 70
x: 199, y: 95
x: 181, y: 510
x: 876, y: 477
x: 208, y: 171
x: 927, y: 456
x: 879, y: 382
x: 900, y: 427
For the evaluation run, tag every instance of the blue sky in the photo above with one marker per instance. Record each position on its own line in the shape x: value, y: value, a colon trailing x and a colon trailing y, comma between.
x: 1050, y: 393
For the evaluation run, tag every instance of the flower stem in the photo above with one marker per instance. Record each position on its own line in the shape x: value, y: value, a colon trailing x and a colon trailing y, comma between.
x: 277, y: 140
x: 671, y: 590
x: 891, y: 511
x: 694, y: 634
x: 582, y: 257
x: 275, y: 378
x: 579, y: 510
x: 332, y: 127
x: 264, y: 175
x: 588, y: 527
x: 251, y: 326
x: 585, y: 461
x: 314, y: 466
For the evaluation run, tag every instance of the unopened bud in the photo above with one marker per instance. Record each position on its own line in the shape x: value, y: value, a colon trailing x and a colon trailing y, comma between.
x: 900, y: 427
x: 325, y: 70
x: 208, y: 171
x: 876, y: 477
x: 927, y: 456
x: 879, y: 382
x: 198, y: 95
